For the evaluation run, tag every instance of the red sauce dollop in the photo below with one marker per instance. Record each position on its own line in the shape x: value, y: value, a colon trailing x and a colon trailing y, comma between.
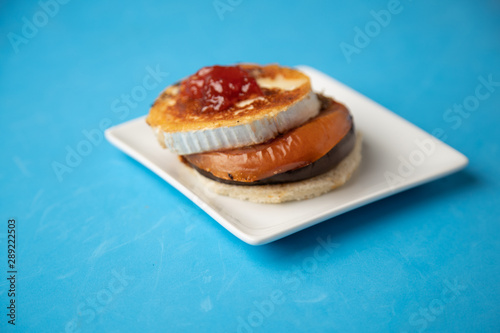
x: 220, y: 87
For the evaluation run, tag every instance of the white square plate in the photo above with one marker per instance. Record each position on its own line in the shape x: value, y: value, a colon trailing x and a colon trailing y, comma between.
x: 392, y: 162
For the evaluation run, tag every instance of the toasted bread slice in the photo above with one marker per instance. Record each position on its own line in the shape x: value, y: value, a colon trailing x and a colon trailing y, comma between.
x: 288, y: 102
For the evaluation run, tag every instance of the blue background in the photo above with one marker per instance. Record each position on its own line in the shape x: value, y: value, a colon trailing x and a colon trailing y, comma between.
x: 111, y: 247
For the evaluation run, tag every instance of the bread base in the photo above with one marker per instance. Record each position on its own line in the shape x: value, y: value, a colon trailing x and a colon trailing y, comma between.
x: 305, y: 189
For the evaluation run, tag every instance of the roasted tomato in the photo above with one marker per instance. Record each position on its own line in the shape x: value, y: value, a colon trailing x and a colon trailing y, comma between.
x: 290, y: 151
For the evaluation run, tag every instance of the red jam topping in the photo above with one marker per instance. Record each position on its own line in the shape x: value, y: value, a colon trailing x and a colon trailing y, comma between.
x: 220, y: 87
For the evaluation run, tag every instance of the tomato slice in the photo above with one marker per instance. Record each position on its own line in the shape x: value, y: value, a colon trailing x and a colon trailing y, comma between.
x: 292, y: 150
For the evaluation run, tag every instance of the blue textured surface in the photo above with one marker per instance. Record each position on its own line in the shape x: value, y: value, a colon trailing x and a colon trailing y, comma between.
x: 111, y: 247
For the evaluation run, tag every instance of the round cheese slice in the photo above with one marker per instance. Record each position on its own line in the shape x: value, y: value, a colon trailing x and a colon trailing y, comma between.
x: 287, y: 102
